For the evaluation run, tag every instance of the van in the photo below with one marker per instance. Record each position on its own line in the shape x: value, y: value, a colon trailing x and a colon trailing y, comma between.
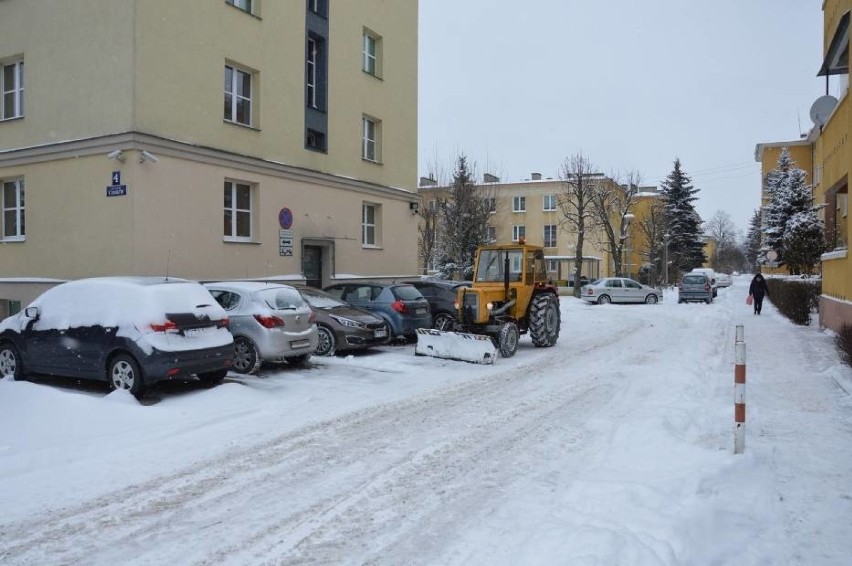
x: 711, y: 275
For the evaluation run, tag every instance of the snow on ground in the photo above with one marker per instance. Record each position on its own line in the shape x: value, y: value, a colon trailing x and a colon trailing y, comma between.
x: 613, y: 447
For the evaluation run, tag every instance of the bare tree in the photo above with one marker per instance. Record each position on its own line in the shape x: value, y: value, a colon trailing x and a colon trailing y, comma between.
x: 722, y: 229
x: 427, y: 228
x: 579, y: 184
x: 612, y: 206
x: 652, y: 231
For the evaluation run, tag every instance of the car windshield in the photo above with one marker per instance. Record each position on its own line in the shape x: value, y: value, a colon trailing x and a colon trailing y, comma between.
x: 281, y: 299
x: 694, y: 279
x: 491, y: 264
x: 407, y: 293
x: 320, y: 300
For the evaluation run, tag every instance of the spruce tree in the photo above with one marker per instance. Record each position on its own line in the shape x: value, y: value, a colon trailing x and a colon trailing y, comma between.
x: 752, y: 243
x: 686, y: 248
x: 804, y: 242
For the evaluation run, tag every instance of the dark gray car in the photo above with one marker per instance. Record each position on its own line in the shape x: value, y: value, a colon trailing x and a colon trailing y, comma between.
x: 399, y: 304
x: 695, y: 287
x: 442, y: 295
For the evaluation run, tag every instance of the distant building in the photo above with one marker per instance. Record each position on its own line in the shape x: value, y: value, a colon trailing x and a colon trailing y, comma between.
x: 206, y: 140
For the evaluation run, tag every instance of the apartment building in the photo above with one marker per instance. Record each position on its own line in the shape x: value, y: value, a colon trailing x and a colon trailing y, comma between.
x: 206, y: 139
x: 827, y: 157
x: 529, y: 209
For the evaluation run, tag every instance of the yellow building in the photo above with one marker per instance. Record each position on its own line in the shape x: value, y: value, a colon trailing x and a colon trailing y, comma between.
x: 529, y: 209
x: 827, y: 156
x: 206, y: 140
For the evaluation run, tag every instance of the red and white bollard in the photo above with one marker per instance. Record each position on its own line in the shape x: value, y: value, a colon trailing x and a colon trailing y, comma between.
x: 739, y: 391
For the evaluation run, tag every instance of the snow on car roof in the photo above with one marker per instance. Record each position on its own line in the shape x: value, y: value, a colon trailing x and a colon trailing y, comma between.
x: 250, y: 286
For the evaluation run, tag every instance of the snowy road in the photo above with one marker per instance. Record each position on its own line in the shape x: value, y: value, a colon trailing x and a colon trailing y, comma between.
x: 614, y: 447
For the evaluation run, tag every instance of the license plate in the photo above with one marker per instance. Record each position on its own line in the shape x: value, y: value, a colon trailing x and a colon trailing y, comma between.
x: 300, y: 344
x: 193, y: 332
x: 419, y: 311
x: 380, y: 333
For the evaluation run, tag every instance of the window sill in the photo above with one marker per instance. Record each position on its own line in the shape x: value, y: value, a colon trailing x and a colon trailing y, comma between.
x: 246, y: 12
x: 240, y: 241
x: 370, y: 247
x: 373, y: 161
x: 239, y: 125
x: 12, y: 119
x: 374, y: 75
x: 13, y: 239
x: 519, y: 211
x: 836, y: 254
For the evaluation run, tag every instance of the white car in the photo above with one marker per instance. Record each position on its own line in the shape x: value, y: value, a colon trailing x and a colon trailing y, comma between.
x: 619, y: 290
x: 723, y: 280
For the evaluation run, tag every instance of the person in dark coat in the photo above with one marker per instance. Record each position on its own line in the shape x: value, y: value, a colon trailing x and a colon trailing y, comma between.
x: 758, y: 289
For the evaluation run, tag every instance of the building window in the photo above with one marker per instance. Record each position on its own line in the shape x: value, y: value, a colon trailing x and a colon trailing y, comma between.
x: 518, y: 232
x: 370, y: 133
x: 315, y: 140
x: 371, y: 47
x: 550, y: 236
x: 13, y: 219
x: 490, y: 234
x: 369, y: 224
x: 238, y: 212
x: 519, y: 204
x: 318, y: 7
x: 244, y: 5
x: 552, y: 265
x: 491, y: 202
x: 311, y: 73
x: 549, y: 202
x: 12, y: 88
x: 238, y: 95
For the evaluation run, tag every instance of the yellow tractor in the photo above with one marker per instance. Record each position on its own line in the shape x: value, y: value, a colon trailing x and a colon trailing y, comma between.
x: 510, y: 295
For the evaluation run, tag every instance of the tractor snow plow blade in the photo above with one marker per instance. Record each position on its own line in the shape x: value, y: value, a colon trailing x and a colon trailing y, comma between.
x: 474, y: 348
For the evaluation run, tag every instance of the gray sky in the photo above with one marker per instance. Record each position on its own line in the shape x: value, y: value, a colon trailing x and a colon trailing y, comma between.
x: 519, y: 86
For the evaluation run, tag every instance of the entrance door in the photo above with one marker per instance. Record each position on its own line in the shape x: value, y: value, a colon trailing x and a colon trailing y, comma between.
x: 312, y: 265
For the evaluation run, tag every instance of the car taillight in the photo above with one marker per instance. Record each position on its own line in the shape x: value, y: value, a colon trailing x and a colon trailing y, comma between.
x: 222, y: 323
x: 591, y: 291
x: 268, y: 321
x: 706, y: 286
x: 164, y: 327
x: 680, y: 286
x: 399, y: 306
x: 313, y: 317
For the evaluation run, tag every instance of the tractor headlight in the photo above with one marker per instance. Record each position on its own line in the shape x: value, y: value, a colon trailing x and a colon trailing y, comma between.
x: 489, y: 305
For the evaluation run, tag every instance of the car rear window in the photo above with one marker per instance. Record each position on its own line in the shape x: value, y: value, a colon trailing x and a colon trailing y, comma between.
x: 321, y: 300
x: 281, y: 298
x: 406, y: 293
x: 694, y: 279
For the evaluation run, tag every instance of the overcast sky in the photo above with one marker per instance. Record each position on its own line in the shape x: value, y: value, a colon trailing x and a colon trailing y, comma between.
x: 520, y: 86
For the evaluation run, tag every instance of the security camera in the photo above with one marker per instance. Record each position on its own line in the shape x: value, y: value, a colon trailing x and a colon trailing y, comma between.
x: 117, y: 155
x: 148, y: 156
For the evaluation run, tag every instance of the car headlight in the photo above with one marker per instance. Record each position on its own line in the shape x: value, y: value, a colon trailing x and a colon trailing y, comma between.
x: 348, y: 322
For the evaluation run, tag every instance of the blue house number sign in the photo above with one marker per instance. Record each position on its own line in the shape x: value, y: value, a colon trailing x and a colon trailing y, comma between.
x: 285, y: 218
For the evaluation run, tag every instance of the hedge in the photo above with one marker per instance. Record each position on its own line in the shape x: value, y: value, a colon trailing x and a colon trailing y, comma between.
x: 795, y: 299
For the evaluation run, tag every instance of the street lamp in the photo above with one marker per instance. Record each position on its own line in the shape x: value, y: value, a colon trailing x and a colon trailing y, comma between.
x: 625, y: 233
x: 666, y: 238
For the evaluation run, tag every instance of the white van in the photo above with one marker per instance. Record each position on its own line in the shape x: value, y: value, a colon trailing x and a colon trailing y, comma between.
x: 711, y: 274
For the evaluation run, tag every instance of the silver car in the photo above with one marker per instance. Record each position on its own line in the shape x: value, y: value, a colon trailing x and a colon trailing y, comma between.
x: 270, y: 322
x: 620, y: 290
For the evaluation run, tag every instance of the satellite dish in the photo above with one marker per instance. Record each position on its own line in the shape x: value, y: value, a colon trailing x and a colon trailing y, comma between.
x: 822, y: 108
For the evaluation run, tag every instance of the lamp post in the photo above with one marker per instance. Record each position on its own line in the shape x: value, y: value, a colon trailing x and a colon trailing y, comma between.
x: 625, y: 234
x: 666, y: 238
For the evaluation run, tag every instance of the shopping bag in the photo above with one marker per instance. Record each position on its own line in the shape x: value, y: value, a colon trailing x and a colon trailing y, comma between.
x: 749, y: 300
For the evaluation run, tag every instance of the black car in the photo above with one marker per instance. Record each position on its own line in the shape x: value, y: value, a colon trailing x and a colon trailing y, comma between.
x: 127, y: 331
x: 342, y: 327
x: 441, y: 295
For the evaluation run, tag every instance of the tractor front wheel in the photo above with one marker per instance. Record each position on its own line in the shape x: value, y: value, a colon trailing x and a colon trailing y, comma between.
x: 507, y: 339
x: 544, y: 320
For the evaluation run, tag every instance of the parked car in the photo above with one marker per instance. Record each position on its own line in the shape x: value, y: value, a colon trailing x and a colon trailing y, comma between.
x: 441, y: 295
x: 723, y: 279
x: 694, y: 287
x: 127, y: 331
x: 711, y: 275
x: 270, y: 322
x: 342, y: 327
x: 401, y: 305
x: 619, y: 290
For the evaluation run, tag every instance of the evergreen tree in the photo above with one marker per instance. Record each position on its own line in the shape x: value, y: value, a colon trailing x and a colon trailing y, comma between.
x: 465, y: 214
x: 686, y: 248
x: 752, y: 243
x: 803, y: 242
x: 788, y: 195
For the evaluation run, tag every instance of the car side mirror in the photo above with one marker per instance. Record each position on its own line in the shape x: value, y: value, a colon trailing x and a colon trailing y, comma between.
x: 32, y: 313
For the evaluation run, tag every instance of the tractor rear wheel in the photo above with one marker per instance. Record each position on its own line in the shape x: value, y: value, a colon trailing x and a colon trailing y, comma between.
x: 544, y: 320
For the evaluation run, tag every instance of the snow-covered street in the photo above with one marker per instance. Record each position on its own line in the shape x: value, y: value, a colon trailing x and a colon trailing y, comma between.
x: 613, y: 447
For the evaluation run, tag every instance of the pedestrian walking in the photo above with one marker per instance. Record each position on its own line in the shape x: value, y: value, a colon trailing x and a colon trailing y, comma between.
x: 758, y: 289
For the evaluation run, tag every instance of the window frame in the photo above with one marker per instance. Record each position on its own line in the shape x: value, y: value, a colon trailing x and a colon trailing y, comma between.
x: 311, y: 73
x: 15, y: 91
x: 549, y: 239
x: 18, y: 209
x: 492, y: 204
x: 369, y: 227
x: 519, y: 231
x: 318, y: 7
x: 519, y: 204
x: 235, y: 98
x: 548, y: 199
x: 490, y: 234
x: 234, y: 210
x: 373, y: 142
x: 370, y: 38
x: 246, y: 6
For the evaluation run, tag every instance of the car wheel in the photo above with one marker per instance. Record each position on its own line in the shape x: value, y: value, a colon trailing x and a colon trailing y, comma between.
x: 651, y: 299
x: 604, y: 300
x: 708, y: 301
x: 10, y: 362
x: 443, y: 321
x: 246, y: 356
x: 507, y: 339
x: 299, y: 360
x: 211, y: 378
x: 326, y: 343
x: 123, y: 373
x: 544, y: 320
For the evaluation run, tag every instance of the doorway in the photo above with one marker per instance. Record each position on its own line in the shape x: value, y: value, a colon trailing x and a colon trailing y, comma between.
x: 312, y: 265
